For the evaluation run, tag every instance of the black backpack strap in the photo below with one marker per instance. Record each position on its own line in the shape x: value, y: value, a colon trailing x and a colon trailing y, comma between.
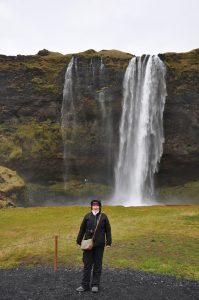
x: 97, y: 225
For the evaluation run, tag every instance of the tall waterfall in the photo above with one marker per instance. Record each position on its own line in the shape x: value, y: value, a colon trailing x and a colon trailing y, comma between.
x: 102, y: 96
x: 141, y: 130
x: 106, y: 120
x: 68, y: 115
x: 86, y: 121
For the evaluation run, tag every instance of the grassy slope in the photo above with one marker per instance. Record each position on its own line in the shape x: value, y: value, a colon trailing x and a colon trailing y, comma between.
x: 157, y: 239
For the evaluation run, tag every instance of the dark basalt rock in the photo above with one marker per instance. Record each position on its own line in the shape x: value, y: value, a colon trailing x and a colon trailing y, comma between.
x: 180, y: 161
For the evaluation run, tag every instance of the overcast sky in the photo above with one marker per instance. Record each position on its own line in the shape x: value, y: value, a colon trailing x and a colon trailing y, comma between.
x: 69, y: 26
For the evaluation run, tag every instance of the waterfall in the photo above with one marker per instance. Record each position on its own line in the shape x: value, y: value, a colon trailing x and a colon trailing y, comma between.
x: 141, y: 130
x: 92, y: 68
x: 68, y: 115
x: 84, y: 91
x: 107, y: 119
x: 102, y: 66
x: 102, y: 97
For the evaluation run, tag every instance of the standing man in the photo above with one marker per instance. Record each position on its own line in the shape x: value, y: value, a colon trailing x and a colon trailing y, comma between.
x: 92, y: 259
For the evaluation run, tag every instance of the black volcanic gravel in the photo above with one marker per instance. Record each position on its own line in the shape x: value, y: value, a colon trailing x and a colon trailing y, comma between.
x: 44, y: 283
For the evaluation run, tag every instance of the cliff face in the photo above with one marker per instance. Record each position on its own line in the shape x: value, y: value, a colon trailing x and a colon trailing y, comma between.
x: 180, y: 161
x: 31, y: 93
x: 30, y: 101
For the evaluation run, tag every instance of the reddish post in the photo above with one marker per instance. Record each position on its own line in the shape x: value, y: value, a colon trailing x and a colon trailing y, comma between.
x: 56, y: 253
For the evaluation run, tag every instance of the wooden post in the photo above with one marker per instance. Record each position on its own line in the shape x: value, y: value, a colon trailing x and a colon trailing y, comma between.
x: 56, y: 253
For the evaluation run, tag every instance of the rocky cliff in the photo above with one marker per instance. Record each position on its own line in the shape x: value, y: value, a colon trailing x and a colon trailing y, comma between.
x: 181, y: 118
x: 31, y: 94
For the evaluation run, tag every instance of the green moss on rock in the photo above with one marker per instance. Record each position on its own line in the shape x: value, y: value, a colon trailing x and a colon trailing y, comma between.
x: 183, y: 71
x: 12, y: 188
x: 29, y: 140
x: 187, y: 193
x: 75, y: 189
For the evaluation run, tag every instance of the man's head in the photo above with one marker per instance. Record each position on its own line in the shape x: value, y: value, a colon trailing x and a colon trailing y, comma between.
x: 96, y: 205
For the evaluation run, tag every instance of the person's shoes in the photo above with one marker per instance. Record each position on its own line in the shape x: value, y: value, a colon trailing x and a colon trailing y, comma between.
x: 81, y: 289
x: 95, y: 289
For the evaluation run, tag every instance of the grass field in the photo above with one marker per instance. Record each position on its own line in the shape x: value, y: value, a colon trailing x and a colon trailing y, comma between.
x: 161, y: 239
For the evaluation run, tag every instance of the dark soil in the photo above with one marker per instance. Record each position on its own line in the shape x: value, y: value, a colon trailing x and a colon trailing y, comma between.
x: 44, y: 283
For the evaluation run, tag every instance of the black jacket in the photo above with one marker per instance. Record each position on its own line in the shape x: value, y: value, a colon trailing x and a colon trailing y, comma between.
x: 88, y: 226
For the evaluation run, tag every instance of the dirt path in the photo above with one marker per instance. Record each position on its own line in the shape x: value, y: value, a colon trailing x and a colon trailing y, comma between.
x: 45, y: 284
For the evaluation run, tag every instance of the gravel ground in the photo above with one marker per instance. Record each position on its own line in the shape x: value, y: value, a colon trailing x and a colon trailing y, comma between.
x: 44, y: 283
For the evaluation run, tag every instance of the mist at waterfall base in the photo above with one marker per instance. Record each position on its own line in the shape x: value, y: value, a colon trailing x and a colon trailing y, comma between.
x: 141, y: 131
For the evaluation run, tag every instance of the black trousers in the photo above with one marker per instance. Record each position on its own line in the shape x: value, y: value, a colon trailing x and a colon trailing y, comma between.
x: 92, y: 259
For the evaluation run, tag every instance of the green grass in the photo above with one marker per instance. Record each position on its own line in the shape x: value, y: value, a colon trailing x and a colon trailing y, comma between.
x: 156, y: 239
x: 186, y: 192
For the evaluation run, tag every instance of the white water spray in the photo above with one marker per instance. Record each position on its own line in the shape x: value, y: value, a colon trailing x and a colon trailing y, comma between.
x: 102, y: 97
x: 141, y: 131
x: 107, y: 119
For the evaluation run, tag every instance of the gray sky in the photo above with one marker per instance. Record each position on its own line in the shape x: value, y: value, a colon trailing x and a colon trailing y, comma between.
x: 68, y: 26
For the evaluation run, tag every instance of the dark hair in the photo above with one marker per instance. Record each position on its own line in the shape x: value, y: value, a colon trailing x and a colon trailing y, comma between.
x: 97, y: 201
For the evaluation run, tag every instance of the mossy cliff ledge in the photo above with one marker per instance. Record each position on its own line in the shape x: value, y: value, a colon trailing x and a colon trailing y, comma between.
x: 31, y: 95
x: 12, y: 188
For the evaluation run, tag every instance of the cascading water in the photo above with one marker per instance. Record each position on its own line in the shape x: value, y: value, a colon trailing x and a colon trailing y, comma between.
x: 141, y: 130
x: 68, y: 115
x: 84, y: 97
x: 107, y: 121
x: 102, y: 98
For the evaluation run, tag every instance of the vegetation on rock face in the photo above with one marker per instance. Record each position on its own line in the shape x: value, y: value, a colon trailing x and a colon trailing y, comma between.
x: 41, y: 73
x: 30, y: 140
x: 35, y: 74
x: 183, y: 70
x: 75, y: 189
x: 39, y: 139
x: 12, y: 188
x: 9, y: 180
x: 113, y: 59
